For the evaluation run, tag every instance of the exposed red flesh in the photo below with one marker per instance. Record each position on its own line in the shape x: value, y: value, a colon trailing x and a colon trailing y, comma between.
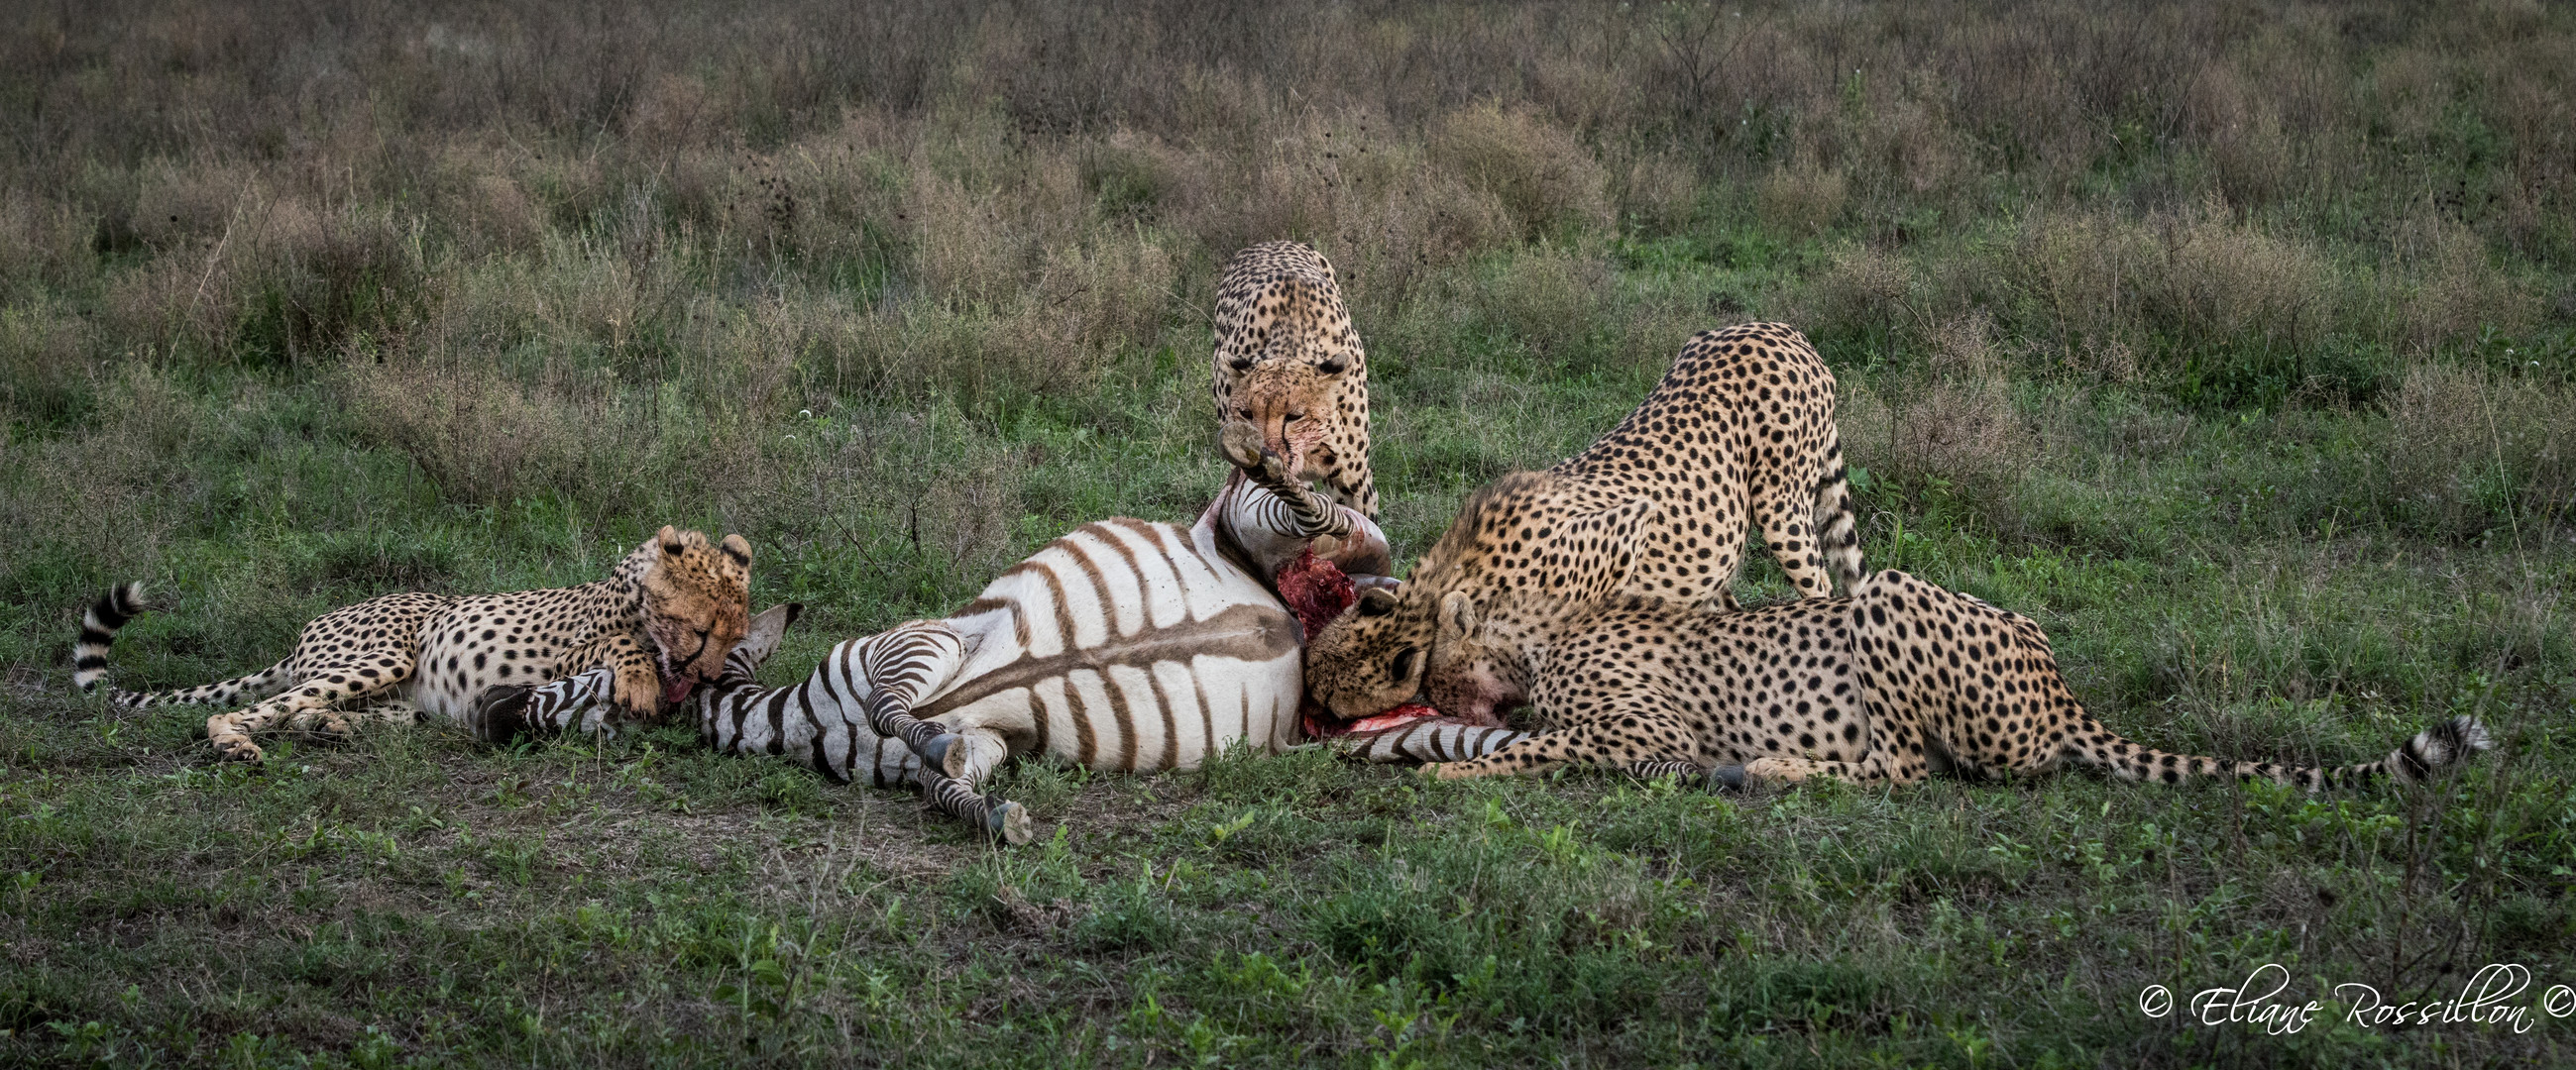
x: 1315, y: 590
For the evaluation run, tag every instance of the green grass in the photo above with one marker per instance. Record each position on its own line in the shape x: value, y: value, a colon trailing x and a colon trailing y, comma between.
x: 416, y: 897
x: 2235, y: 346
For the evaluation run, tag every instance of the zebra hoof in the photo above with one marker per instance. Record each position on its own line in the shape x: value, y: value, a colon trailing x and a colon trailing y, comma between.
x: 935, y: 753
x: 1010, y: 824
x: 1726, y: 778
x: 501, y: 713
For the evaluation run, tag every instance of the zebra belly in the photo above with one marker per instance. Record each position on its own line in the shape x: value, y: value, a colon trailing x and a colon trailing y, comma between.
x: 1171, y: 713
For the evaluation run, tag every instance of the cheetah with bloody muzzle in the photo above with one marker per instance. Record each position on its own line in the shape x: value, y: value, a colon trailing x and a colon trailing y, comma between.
x: 1901, y: 681
x: 1289, y: 365
x: 1740, y: 431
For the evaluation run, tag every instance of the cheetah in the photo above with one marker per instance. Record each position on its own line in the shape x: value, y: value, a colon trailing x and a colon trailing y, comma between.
x: 1902, y: 680
x: 661, y: 623
x: 1741, y: 427
x: 1289, y: 364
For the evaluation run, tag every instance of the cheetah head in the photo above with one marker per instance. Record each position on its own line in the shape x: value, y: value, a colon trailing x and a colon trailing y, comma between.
x: 697, y: 606
x: 1290, y: 403
x: 1467, y: 677
x: 1371, y: 659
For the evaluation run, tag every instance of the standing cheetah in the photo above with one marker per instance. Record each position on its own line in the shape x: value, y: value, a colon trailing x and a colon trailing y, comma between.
x: 1897, y: 682
x: 1289, y: 364
x: 660, y: 623
x: 1741, y: 428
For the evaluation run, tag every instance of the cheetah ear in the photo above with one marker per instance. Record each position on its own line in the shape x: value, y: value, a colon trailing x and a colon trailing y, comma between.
x: 738, y: 548
x: 1376, y: 602
x: 1334, y: 366
x: 670, y: 540
x: 1457, y: 617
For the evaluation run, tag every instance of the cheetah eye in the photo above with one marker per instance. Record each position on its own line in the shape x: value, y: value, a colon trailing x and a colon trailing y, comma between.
x: 1402, y: 669
x: 1296, y: 416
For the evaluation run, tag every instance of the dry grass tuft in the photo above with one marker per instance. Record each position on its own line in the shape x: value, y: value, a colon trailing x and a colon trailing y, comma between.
x: 1803, y: 200
x: 486, y: 438
x: 2468, y: 451
x: 1544, y: 175
x: 1955, y: 436
x: 1550, y: 298
x: 1861, y: 289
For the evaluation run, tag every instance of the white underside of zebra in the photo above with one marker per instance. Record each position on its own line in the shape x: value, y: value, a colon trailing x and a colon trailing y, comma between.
x: 1124, y: 646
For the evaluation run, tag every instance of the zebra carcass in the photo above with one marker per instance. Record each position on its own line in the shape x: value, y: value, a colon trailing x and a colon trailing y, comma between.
x: 1125, y: 645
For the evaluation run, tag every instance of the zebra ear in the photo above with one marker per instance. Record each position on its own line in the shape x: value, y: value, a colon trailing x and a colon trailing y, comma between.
x: 761, y: 639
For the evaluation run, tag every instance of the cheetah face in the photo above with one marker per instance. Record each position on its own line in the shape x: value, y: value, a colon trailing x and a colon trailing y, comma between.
x: 1372, y: 659
x: 1465, y: 679
x: 1290, y: 403
x: 697, y: 606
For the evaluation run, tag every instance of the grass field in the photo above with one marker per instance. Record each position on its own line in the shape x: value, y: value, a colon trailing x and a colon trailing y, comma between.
x: 2234, y: 343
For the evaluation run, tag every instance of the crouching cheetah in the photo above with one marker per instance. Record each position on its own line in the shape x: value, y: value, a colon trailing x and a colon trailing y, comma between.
x: 1289, y: 365
x: 1742, y: 424
x: 1900, y: 681
x: 661, y: 622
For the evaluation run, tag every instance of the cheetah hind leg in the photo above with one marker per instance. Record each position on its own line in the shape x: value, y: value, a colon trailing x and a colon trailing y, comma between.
x: 1787, y: 517
x: 311, y: 703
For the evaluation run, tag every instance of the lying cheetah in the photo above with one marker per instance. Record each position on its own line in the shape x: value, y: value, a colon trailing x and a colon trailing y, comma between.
x: 1289, y: 364
x: 1897, y: 682
x: 661, y: 622
x: 1742, y: 425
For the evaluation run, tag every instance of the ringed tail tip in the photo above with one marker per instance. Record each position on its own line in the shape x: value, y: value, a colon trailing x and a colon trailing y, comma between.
x: 113, y: 610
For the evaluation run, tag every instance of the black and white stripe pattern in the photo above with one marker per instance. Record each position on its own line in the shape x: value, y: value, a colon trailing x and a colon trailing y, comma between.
x: 99, y: 626
x: 1429, y: 740
x: 1124, y: 646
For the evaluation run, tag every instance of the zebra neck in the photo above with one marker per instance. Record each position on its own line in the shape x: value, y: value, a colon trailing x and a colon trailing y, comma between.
x: 741, y: 715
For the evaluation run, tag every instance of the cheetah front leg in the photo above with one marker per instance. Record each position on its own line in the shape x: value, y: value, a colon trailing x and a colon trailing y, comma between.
x: 635, y: 676
x: 314, y: 703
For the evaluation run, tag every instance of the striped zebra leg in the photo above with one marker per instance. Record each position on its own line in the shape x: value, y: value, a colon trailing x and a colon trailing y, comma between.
x: 1719, y: 778
x: 1000, y: 819
x: 1288, y: 507
x: 580, y: 702
x: 1426, y: 741
x: 903, y: 666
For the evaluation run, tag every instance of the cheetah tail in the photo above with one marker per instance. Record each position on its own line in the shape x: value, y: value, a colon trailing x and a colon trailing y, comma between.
x: 1837, y: 529
x: 111, y: 613
x: 2445, y: 744
x: 121, y: 604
